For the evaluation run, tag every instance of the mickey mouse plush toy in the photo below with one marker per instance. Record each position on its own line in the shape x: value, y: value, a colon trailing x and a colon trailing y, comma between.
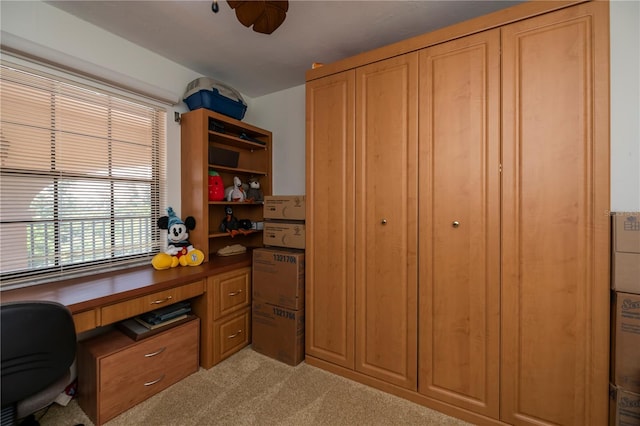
x: 179, y: 251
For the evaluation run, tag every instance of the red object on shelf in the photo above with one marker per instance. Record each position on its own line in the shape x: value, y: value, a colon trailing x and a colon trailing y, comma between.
x: 216, y: 187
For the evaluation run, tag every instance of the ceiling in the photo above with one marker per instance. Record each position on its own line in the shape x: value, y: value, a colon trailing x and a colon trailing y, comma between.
x: 218, y: 46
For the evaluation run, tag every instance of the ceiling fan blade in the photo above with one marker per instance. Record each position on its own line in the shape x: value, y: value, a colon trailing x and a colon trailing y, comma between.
x: 265, y: 16
x: 247, y: 12
x: 270, y: 20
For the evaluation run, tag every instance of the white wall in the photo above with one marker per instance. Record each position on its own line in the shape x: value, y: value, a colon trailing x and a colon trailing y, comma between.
x: 52, y: 32
x: 284, y: 114
x: 625, y: 105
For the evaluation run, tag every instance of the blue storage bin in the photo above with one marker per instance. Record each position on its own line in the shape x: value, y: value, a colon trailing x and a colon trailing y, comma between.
x: 215, y: 96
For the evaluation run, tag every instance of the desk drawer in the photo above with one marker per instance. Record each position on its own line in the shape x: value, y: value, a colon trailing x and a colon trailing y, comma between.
x: 85, y: 321
x: 130, y: 308
x: 231, y: 334
x: 125, y: 375
x: 232, y: 292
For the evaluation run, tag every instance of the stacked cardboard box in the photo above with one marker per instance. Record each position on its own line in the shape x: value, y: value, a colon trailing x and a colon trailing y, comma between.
x: 284, y: 221
x: 278, y: 277
x: 284, y: 207
x: 625, y: 259
x: 278, y: 281
x: 625, y: 320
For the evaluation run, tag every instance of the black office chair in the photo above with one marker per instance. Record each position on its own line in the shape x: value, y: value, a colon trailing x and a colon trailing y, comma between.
x: 38, y: 348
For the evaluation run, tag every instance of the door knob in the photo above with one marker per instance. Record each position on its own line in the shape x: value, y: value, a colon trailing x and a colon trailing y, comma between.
x: 383, y: 221
x: 455, y: 224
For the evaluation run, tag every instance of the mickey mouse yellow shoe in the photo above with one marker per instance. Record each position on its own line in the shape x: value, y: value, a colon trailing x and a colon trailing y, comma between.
x: 194, y: 258
x: 164, y: 261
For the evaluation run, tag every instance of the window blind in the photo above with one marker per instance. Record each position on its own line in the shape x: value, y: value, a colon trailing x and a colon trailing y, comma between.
x: 82, y: 179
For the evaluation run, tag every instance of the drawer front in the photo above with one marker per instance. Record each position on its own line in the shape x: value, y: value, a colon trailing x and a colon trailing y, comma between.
x: 232, y: 292
x: 139, y: 305
x: 134, y: 374
x: 231, y: 335
x: 85, y: 321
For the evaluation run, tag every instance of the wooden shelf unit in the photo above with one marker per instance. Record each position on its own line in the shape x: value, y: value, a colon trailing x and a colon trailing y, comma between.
x: 254, y: 159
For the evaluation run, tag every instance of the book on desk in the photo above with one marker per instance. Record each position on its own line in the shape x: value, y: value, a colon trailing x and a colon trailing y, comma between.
x: 153, y: 322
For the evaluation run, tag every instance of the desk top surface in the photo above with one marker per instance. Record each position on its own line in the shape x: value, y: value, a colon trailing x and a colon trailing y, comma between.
x: 84, y: 293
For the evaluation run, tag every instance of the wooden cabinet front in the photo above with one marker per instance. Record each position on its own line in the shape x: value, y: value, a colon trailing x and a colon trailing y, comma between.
x: 386, y: 219
x: 555, y: 293
x: 460, y: 222
x: 225, y: 310
x: 232, y: 292
x: 115, y: 373
x: 330, y: 254
x: 231, y: 334
x: 86, y: 320
x: 501, y: 210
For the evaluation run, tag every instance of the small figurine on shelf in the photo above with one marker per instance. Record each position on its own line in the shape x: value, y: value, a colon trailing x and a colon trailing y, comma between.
x: 230, y: 223
x: 254, y: 194
x: 236, y: 192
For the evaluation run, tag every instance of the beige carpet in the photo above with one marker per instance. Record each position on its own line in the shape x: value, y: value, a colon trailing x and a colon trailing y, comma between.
x: 252, y: 389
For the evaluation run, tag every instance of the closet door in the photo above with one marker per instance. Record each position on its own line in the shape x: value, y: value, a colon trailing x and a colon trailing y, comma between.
x: 386, y: 220
x: 330, y: 191
x: 555, y: 224
x: 459, y: 218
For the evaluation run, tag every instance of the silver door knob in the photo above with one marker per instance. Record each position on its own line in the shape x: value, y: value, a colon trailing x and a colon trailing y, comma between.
x: 383, y: 221
x: 455, y: 224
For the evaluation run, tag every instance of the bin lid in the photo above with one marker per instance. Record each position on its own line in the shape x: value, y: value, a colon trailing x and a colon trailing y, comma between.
x: 207, y: 83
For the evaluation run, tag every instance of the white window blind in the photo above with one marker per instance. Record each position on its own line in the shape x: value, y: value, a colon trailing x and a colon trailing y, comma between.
x: 82, y: 179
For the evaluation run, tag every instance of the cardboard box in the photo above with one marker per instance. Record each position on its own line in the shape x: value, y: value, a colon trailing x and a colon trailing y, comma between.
x: 284, y: 234
x: 625, y: 345
x: 624, y: 407
x: 625, y: 259
x: 286, y: 207
x: 278, y: 332
x: 278, y: 277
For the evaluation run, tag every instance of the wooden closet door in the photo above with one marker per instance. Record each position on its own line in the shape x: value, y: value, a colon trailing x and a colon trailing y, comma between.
x: 555, y: 231
x: 330, y: 191
x: 386, y: 220
x: 459, y: 186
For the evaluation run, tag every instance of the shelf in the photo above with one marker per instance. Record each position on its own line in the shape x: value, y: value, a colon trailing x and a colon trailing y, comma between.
x: 197, y: 136
x: 236, y: 170
x: 227, y: 235
x: 236, y: 203
x: 237, y: 142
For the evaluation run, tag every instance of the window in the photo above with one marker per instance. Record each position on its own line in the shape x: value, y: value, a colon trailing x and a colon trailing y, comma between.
x: 81, y: 178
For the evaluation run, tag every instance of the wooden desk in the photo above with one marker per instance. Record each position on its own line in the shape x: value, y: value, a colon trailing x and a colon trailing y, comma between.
x: 103, y: 299
x: 112, y: 368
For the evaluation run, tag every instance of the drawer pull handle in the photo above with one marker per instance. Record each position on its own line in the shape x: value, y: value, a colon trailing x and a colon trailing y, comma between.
x: 235, y: 293
x: 166, y: 299
x: 235, y: 334
x: 153, y: 382
x: 158, y: 352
